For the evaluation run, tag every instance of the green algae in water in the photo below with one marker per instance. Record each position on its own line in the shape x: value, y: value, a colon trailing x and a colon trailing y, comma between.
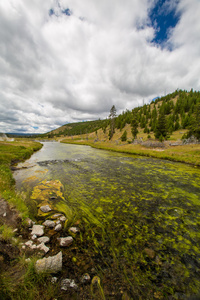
x: 126, y: 205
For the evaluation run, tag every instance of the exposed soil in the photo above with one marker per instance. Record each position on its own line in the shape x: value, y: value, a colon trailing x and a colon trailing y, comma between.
x: 8, y: 215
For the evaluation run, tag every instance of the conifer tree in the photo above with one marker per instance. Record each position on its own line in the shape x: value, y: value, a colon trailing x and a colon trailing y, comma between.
x: 134, y: 127
x: 195, y: 123
x: 161, y: 128
x: 112, y: 117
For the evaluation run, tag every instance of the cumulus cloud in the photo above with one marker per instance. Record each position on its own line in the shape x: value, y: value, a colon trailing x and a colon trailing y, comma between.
x: 69, y: 60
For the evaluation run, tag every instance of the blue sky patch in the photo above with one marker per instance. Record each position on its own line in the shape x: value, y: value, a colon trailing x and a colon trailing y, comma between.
x: 51, y: 12
x: 164, y: 17
x: 35, y: 127
x: 66, y: 12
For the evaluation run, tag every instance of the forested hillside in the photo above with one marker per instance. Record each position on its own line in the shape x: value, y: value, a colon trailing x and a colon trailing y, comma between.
x: 159, y: 119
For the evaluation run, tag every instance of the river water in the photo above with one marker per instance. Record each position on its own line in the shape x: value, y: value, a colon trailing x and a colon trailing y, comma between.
x: 139, y: 218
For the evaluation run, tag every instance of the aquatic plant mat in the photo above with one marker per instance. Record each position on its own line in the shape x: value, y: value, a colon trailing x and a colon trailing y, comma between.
x: 139, y: 221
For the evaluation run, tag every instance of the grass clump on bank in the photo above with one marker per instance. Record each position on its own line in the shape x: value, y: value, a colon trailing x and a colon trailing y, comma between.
x: 6, y: 233
x: 10, y: 153
x: 23, y: 282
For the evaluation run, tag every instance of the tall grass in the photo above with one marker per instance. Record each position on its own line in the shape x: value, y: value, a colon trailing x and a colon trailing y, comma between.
x: 11, y: 152
x: 23, y: 282
x: 6, y: 233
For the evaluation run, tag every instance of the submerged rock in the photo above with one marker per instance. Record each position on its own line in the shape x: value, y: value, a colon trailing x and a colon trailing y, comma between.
x: 45, y: 208
x: 74, y: 229
x: 63, y: 218
x: 54, y: 280
x: 150, y: 253
x: 85, y: 278
x: 52, y: 264
x: 68, y: 283
x: 65, y: 241
x: 56, y: 216
x: 49, y: 223
x: 38, y: 230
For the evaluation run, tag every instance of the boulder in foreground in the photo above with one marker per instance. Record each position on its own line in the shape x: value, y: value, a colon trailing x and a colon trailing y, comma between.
x: 52, y: 264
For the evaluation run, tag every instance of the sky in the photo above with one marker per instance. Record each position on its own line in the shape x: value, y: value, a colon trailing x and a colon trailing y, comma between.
x: 64, y: 61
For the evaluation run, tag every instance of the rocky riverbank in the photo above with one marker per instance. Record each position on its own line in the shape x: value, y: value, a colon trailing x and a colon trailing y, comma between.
x: 44, y: 242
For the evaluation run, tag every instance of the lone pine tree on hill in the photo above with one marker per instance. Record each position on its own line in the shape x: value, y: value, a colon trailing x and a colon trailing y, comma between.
x: 112, y: 116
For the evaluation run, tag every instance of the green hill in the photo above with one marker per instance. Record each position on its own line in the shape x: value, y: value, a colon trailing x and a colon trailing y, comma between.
x: 159, y: 119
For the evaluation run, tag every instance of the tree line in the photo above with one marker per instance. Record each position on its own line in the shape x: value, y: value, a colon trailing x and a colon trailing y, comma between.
x: 178, y: 110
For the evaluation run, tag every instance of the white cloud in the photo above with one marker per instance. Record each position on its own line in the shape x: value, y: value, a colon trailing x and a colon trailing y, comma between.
x: 58, y: 69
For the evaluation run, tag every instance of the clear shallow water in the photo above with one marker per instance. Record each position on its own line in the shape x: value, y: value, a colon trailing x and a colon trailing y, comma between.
x: 128, y: 206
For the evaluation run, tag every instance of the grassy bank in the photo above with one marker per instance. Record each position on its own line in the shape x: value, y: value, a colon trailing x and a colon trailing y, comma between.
x: 10, y: 153
x: 18, y: 279
x: 189, y: 154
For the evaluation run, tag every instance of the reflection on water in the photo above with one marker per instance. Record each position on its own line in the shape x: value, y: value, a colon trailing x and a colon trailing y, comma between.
x: 140, y: 217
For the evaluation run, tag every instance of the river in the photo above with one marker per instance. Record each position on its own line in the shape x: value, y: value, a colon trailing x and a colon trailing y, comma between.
x: 139, y: 218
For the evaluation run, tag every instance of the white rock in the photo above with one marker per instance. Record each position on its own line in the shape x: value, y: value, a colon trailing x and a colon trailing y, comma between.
x: 74, y: 229
x: 29, y: 243
x: 58, y: 222
x: 5, y: 214
x: 45, y: 208
x: 51, y: 264
x: 54, y: 280
x: 34, y: 237
x: 44, y: 239
x: 49, y: 223
x: 63, y: 219
x: 86, y: 278
x: 23, y: 247
x: 65, y: 241
x: 68, y: 283
x: 58, y: 227
x: 43, y: 247
x: 56, y: 216
x: 38, y: 230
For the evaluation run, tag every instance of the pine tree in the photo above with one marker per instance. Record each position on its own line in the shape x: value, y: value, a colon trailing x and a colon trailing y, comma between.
x: 134, y: 127
x: 161, y: 128
x: 177, y: 125
x: 112, y: 117
x: 195, y: 123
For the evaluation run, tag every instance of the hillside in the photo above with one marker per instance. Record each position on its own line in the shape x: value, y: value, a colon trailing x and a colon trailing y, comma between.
x: 165, y: 118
